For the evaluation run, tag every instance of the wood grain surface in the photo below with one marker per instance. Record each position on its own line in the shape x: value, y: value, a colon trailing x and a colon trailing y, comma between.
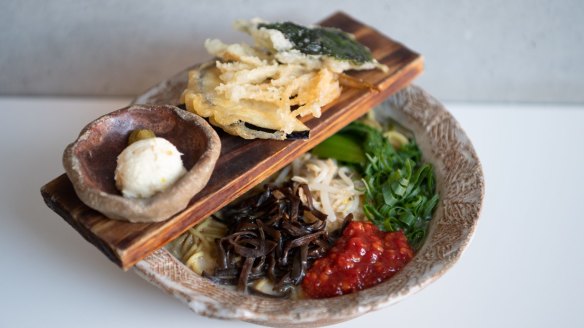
x: 242, y: 163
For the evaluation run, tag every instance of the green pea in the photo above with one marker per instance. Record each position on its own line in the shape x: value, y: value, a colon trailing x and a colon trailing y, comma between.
x: 140, y: 134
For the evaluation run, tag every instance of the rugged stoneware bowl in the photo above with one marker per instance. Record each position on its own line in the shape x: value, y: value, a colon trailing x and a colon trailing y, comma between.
x: 90, y: 161
x: 460, y: 186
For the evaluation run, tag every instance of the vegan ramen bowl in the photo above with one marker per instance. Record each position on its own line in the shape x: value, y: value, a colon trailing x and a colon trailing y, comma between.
x: 459, y: 186
x: 370, y: 215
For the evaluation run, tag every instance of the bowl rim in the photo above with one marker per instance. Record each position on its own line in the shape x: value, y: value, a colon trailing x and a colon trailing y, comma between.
x: 460, y: 184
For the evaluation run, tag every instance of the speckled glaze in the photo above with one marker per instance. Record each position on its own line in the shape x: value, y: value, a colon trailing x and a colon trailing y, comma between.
x: 460, y: 186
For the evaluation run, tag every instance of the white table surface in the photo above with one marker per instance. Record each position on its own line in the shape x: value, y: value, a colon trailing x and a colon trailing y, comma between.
x: 524, y: 267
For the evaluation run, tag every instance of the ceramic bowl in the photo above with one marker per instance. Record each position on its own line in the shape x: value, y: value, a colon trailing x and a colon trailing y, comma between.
x: 90, y: 161
x: 460, y: 187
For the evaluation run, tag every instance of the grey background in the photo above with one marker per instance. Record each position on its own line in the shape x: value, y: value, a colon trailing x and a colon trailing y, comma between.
x: 527, y: 51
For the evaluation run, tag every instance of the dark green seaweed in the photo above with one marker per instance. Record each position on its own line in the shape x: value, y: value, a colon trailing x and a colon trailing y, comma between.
x: 322, y: 41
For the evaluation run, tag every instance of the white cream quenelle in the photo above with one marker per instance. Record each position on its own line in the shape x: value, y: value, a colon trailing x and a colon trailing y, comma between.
x: 148, y: 166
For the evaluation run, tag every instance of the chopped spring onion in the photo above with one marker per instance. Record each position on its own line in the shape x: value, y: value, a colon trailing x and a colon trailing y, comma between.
x: 399, y: 188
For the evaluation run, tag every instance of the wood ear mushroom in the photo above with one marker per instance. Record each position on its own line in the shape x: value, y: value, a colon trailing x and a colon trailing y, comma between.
x: 90, y: 161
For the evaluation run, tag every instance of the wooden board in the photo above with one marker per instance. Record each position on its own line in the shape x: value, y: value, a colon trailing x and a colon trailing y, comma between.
x: 243, y: 163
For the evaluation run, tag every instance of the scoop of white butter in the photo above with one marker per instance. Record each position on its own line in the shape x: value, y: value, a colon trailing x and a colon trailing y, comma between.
x: 148, y: 166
